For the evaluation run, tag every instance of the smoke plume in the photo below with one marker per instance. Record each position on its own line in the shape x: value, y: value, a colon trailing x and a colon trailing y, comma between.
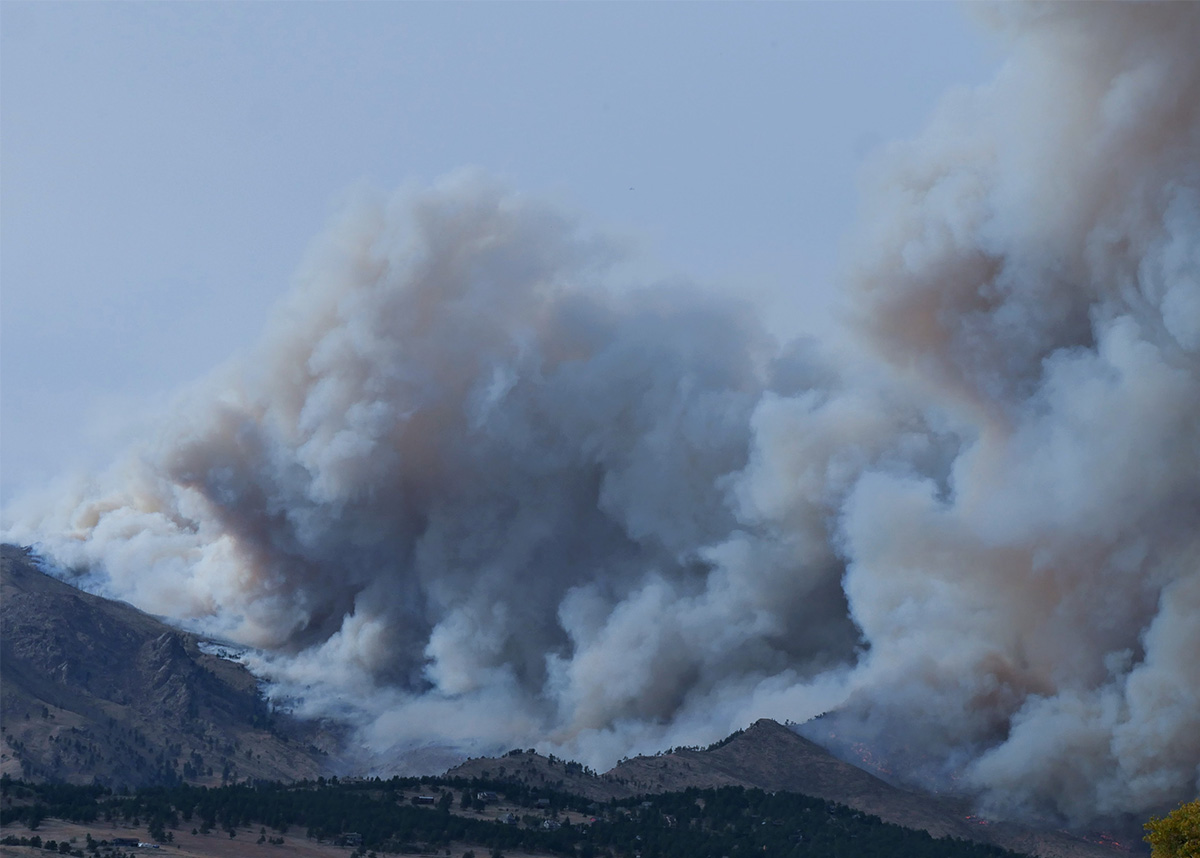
x: 467, y: 491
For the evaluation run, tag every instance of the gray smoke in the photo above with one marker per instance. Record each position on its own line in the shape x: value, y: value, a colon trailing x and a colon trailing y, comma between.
x: 468, y: 491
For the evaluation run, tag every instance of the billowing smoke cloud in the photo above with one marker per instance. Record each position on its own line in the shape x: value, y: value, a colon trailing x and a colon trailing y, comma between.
x: 467, y: 492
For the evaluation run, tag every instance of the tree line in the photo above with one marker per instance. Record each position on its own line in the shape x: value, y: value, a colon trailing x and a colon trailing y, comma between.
x: 693, y: 823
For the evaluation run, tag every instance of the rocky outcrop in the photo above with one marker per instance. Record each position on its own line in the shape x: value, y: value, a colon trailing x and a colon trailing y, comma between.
x: 93, y: 689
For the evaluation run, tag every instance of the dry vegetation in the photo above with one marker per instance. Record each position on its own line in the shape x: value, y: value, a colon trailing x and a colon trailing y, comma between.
x: 96, y: 689
x: 215, y: 844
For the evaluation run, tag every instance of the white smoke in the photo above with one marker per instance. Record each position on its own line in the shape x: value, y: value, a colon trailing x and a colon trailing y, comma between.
x: 466, y: 492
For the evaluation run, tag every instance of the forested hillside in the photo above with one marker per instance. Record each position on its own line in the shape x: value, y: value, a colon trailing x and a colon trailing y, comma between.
x: 383, y: 817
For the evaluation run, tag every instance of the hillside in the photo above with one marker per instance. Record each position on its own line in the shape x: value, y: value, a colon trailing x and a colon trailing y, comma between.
x: 772, y: 757
x: 93, y: 689
x: 431, y: 817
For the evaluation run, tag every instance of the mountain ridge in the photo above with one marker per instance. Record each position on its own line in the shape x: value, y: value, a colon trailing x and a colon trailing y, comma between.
x: 94, y: 689
x: 769, y: 756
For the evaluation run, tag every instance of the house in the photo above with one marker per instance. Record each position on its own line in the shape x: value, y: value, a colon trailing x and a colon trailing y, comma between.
x: 542, y: 803
x: 507, y: 819
x: 551, y: 825
x: 424, y: 799
x: 487, y: 797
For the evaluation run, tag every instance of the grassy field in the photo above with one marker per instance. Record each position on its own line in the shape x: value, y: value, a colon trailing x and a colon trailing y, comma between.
x: 216, y: 844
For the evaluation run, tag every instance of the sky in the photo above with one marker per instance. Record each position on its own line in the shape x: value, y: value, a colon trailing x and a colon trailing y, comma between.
x: 452, y: 476
x: 165, y: 166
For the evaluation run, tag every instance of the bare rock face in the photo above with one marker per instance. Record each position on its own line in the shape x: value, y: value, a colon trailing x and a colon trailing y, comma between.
x: 95, y: 690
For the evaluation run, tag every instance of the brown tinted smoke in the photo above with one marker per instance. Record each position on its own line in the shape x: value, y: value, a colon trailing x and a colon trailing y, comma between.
x: 466, y: 492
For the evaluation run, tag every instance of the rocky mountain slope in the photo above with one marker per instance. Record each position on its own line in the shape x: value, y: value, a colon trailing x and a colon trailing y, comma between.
x: 95, y: 689
x: 92, y: 689
x: 772, y: 757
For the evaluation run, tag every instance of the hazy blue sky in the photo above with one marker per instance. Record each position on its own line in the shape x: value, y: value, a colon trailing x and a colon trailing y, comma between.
x: 165, y: 165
